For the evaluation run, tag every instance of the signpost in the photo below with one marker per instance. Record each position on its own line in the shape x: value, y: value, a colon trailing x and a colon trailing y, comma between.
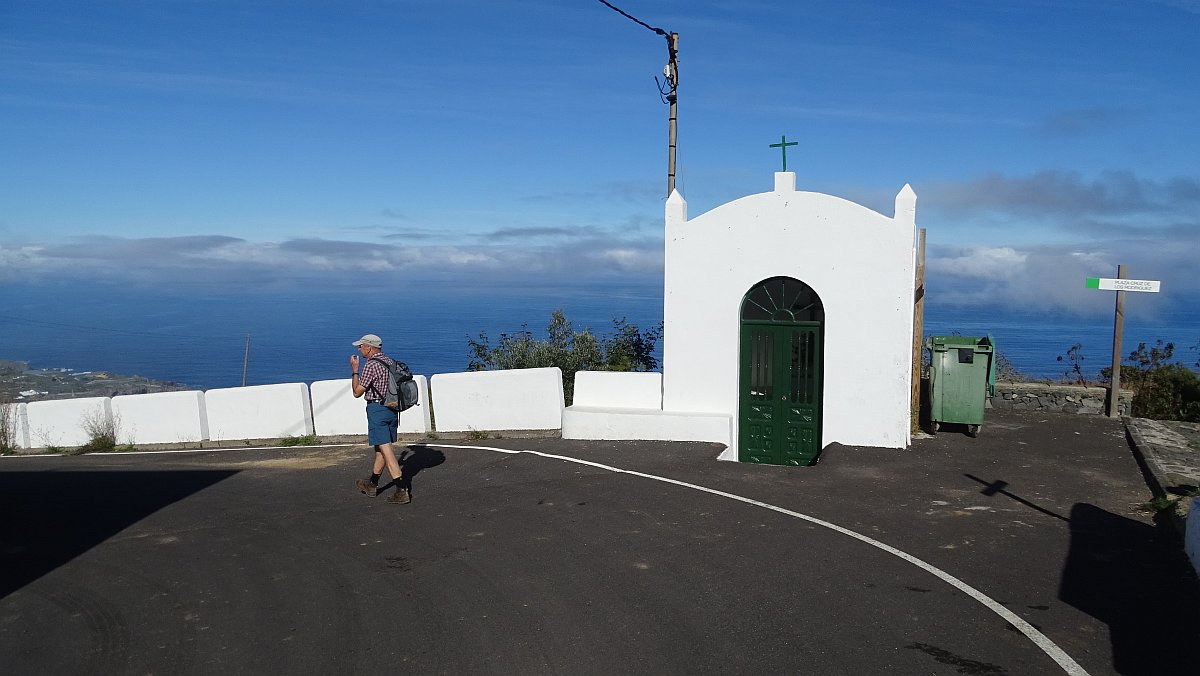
x: 1104, y: 284
x: 1120, y: 285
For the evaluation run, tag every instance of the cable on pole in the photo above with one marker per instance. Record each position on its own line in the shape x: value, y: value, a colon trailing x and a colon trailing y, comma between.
x: 667, y: 93
x: 634, y: 19
x: 667, y: 90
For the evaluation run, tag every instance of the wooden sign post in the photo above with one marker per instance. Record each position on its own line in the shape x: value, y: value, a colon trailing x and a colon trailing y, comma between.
x: 1120, y: 285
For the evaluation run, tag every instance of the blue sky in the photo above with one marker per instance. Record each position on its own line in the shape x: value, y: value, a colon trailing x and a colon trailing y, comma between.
x: 215, y: 142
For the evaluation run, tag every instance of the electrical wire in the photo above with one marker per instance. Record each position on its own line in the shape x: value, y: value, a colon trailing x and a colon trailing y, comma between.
x: 622, y: 12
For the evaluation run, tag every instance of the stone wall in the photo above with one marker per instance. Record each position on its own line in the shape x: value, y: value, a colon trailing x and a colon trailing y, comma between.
x: 1058, y: 398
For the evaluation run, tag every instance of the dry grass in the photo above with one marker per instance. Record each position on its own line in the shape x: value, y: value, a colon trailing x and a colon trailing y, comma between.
x: 8, y: 427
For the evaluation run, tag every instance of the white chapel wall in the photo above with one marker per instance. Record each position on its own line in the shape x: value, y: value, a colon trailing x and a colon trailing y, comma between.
x: 858, y: 261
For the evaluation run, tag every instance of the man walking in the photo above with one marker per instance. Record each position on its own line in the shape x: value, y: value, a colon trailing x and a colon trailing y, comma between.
x: 370, y: 379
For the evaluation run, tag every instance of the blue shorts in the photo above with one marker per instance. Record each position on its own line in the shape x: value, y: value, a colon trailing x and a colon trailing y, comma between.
x: 381, y: 424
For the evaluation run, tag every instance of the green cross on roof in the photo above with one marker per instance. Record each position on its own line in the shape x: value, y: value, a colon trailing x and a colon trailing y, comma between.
x: 783, y: 144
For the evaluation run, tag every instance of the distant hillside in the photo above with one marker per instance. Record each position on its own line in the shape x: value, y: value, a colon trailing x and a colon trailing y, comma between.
x: 20, y: 383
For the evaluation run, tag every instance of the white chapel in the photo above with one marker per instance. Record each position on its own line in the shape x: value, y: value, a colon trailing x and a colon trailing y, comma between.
x: 788, y: 326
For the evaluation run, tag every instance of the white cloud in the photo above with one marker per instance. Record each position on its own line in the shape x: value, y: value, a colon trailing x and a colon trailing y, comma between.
x: 228, y: 260
x: 992, y: 263
x: 1052, y: 278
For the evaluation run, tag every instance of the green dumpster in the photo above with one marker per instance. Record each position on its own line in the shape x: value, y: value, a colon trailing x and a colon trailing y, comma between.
x: 962, y: 374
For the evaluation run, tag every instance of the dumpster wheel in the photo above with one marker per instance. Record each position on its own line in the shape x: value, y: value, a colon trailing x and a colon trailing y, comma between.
x: 972, y: 431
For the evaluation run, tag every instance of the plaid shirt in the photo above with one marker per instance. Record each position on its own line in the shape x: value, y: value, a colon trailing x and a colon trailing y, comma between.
x: 373, y: 376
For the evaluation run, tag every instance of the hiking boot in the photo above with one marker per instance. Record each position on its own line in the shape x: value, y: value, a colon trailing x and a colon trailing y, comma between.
x: 368, y: 489
x: 400, y: 497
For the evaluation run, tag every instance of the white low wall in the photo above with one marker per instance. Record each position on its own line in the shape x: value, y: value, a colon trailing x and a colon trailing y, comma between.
x: 516, y: 399
x: 337, y: 412
x: 64, y: 422
x: 160, y: 417
x: 19, y: 428
x: 618, y: 389
x: 259, y: 412
x: 623, y: 405
x: 587, y: 422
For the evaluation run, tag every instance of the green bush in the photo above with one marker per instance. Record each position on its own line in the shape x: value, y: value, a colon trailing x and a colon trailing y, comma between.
x: 100, y: 443
x: 1162, y: 390
x: 627, y: 349
x: 102, y: 431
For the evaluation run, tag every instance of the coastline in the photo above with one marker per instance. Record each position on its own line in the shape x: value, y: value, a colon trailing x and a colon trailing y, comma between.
x: 21, y: 384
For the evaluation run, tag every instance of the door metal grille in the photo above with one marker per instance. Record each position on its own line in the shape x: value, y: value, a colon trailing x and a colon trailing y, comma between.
x: 780, y: 390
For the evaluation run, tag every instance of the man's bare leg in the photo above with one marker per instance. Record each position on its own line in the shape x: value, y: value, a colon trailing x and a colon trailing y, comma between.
x: 389, y: 455
x: 385, y: 454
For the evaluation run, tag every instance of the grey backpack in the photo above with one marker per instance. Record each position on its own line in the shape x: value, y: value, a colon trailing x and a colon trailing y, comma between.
x: 402, y: 390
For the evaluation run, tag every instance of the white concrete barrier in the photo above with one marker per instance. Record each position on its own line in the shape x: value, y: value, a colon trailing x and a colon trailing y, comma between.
x: 337, y: 412
x: 160, y: 417
x: 259, y: 412
x: 513, y: 399
x: 625, y: 405
x: 66, y: 422
x: 18, y: 427
x: 618, y: 389
x: 588, y: 422
x: 1191, y: 539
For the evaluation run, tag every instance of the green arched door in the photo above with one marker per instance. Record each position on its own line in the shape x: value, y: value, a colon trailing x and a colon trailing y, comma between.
x: 779, y: 390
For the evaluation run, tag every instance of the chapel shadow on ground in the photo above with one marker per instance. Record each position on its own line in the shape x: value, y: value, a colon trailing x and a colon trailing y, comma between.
x: 1136, y: 579
x: 49, y: 518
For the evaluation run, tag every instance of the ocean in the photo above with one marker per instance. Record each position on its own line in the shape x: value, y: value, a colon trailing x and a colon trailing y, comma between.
x: 199, y: 338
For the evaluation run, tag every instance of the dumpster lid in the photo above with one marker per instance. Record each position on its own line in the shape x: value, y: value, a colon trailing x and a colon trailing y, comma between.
x: 981, y: 344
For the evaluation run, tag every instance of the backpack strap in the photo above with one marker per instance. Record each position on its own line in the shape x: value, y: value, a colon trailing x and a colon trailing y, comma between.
x: 371, y: 386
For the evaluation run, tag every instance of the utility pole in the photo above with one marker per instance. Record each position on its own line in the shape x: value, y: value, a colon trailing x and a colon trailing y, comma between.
x: 669, y: 92
x: 246, y: 360
x: 671, y: 72
x: 918, y: 332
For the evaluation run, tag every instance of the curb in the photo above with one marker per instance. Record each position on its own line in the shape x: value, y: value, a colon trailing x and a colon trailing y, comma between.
x: 1186, y: 525
x: 1157, y: 477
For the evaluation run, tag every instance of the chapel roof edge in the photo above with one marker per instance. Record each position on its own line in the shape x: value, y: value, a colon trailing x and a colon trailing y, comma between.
x: 676, y: 207
x: 906, y: 204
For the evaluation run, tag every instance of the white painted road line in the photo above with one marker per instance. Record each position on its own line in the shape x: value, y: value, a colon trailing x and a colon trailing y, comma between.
x: 1038, y: 638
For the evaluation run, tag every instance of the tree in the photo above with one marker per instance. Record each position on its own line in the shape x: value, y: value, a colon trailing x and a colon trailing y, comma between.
x: 629, y: 349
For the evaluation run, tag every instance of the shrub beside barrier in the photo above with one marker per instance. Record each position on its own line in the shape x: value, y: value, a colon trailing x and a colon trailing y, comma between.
x: 63, y: 423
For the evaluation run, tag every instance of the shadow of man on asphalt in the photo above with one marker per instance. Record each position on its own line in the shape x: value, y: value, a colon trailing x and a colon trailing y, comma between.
x: 416, y: 458
x: 1136, y: 579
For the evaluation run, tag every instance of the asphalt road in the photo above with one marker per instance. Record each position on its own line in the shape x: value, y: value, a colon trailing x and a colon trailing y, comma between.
x: 254, y: 561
